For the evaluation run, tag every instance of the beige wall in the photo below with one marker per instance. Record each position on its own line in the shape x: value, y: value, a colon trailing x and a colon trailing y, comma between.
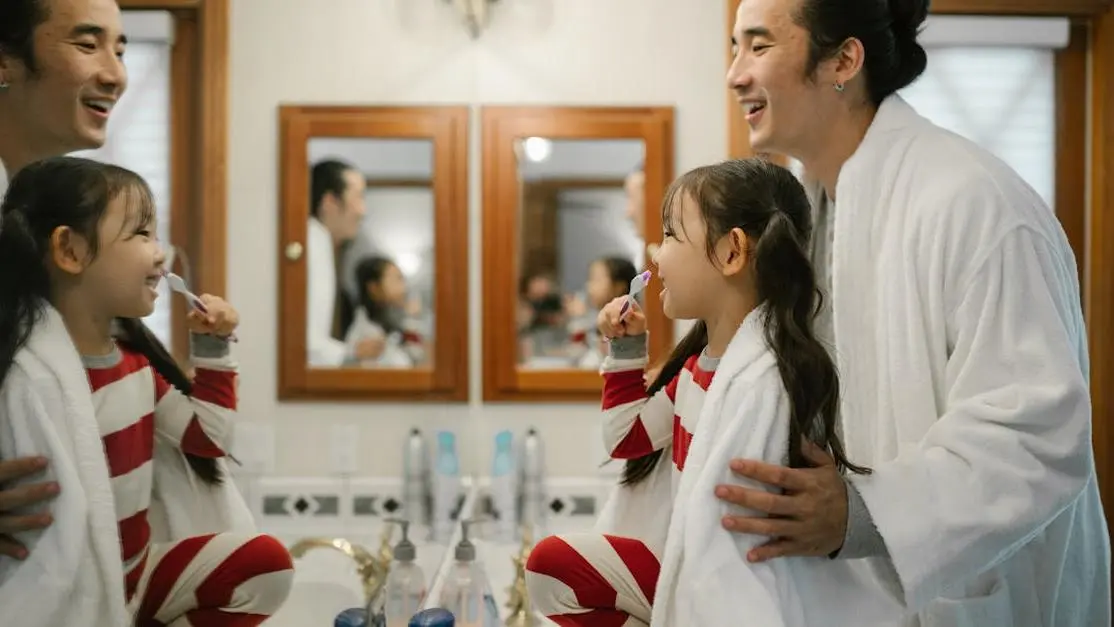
x: 568, y: 52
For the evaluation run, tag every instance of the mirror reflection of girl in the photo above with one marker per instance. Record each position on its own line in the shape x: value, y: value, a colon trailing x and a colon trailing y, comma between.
x: 750, y: 380
x: 384, y: 331
x: 608, y: 279
x: 82, y: 235
x: 542, y: 320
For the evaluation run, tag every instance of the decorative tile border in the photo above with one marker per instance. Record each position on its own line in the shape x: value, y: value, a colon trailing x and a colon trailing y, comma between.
x: 325, y: 505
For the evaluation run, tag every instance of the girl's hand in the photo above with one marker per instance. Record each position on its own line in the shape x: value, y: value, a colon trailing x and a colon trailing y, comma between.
x: 633, y: 321
x: 220, y: 320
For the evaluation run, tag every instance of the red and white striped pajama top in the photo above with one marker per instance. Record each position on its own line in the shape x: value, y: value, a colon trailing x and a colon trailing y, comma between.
x: 222, y: 580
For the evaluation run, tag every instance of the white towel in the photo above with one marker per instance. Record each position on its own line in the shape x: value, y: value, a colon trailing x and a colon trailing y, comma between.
x: 73, y: 575
x: 705, y: 578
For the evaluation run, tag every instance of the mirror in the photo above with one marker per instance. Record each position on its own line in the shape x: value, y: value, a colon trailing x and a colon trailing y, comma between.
x: 371, y: 233
x: 572, y: 196
x: 374, y: 230
x: 579, y: 244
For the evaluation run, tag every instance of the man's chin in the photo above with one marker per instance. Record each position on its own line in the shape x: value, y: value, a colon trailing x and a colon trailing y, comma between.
x: 89, y: 139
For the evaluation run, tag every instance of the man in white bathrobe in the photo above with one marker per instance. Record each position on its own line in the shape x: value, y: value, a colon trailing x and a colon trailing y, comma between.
x: 956, y: 321
x: 337, y: 209
x: 60, y: 75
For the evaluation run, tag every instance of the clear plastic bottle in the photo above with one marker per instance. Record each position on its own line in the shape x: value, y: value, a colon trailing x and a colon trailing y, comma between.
x: 405, y: 588
x: 464, y: 588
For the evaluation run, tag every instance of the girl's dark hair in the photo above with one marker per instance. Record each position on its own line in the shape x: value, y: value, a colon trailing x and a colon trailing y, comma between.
x: 770, y: 206
x: 75, y: 193
x: 887, y: 29
x: 619, y: 270
x: 371, y: 270
x: 18, y: 20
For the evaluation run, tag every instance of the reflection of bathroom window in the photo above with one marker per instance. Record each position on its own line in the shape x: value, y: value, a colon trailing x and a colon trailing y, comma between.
x: 993, y: 81
x: 1002, y: 98
x: 139, y: 129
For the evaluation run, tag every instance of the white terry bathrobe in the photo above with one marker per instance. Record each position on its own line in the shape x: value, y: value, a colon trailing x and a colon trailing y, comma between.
x: 74, y: 574
x: 705, y: 578
x: 961, y: 346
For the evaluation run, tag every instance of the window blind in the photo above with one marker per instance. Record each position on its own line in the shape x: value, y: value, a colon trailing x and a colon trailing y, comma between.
x: 993, y: 81
x: 1002, y: 98
x: 139, y: 129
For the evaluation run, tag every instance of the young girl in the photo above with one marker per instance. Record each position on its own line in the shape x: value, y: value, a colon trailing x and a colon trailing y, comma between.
x: 382, y: 335
x: 608, y: 279
x: 749, y: 380
x: 82, y: 235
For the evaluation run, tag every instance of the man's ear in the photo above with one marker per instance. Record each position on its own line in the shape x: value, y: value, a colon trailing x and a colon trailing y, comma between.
x: 12, y: 68
x: 733, y: 251
x: 69, y: 250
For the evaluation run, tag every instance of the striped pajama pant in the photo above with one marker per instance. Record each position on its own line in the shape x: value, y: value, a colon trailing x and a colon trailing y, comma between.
x: 217, y: 580
x: 593, y: 580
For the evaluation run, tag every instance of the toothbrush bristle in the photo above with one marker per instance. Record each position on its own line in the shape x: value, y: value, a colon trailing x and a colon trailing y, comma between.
x: 646, y: 276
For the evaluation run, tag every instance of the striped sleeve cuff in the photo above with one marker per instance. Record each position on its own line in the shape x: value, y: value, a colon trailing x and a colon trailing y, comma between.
x: 630, y: 347
x: 208, y: 346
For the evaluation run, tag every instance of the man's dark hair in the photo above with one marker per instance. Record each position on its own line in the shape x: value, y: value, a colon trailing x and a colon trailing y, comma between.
x: 18, y: 21
x: 327, y: 177
x: 888, y: 30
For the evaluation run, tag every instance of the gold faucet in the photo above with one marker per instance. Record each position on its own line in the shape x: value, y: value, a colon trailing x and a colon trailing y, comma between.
x: 371, y: 569
x: 522, y: 610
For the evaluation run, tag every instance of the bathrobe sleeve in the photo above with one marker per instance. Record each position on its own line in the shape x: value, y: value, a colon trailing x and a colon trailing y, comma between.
x: 723, y: 588
x: 1012, y: 448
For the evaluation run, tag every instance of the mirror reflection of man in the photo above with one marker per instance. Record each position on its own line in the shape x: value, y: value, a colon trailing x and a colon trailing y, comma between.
x: 336, y: 211
x: 635, y: 187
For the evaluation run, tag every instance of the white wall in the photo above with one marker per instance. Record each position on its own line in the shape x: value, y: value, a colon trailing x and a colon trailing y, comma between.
x: 546, y: 52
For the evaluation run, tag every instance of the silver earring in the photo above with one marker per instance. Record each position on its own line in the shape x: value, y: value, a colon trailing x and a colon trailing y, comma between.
x: 3, y: 84
x: 839, y: 87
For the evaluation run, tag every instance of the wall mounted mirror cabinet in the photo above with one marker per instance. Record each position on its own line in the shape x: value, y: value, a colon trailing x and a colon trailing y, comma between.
x: 373, y: 299
x: 571, y: 212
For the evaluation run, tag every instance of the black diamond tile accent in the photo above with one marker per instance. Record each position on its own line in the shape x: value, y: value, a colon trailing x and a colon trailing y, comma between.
x: 301, y: 505
x: 391, y: 505
x: 556, y: 505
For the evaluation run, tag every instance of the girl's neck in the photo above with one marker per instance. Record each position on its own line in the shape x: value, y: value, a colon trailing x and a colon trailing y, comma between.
x: 90, y: 333
x: 734, y: 307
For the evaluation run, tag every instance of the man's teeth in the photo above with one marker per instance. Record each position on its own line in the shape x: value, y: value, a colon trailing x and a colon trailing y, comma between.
x: 755, y: 106
x: 104, y: 106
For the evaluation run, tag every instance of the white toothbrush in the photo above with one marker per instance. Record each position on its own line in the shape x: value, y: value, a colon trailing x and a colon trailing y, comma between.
x: 637, y: 285
x: 178, y: 284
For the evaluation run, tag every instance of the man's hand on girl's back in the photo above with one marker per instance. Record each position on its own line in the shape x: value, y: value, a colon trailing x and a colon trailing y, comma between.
x: 16, y: 498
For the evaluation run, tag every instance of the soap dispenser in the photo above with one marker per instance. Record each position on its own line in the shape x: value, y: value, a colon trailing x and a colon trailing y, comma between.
x: 464, y: 587
x: 405, y: 588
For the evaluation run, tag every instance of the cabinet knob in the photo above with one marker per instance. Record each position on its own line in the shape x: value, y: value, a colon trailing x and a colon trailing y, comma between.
x: 294, y: 251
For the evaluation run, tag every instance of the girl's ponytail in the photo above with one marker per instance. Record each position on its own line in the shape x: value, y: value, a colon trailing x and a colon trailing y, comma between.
x: 786, y: 283
x: 136, y: 336
x: 24, y: 286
